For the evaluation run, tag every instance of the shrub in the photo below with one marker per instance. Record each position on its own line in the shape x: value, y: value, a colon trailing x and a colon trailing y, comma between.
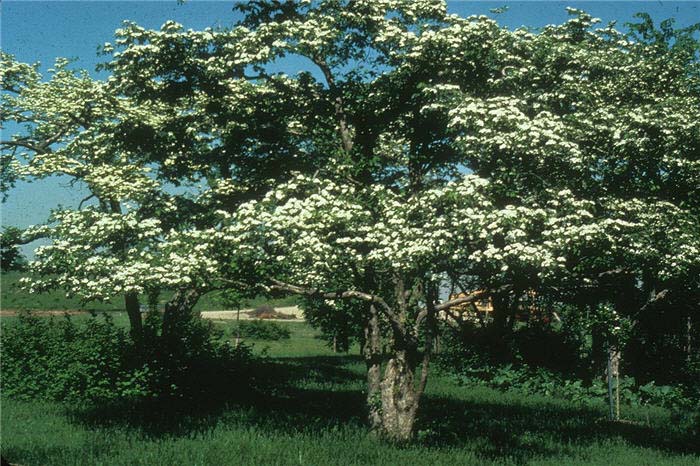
x: 60, y: 360
x: 541, y: 381
x: 96, y: 360
x: 542, y: 360
x: 194, y: 361
x: 542, y: 345
x: 262, y: 330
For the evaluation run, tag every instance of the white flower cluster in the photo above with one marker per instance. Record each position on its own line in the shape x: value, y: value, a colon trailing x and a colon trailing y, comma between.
x: 317, y: 230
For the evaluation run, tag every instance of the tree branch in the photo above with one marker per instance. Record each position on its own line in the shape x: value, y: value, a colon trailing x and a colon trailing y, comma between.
x: 614, y: 273
x: 470, y: 298
x: 282, y: 286
x: 80, y: 206
x: 660, y: 296
x: 29, y: 239
x: 26, y: 144
x: 40, y: 146
x: 338, y: 103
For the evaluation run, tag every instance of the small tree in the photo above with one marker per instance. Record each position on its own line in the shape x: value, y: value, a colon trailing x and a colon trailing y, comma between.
x: 340, y: 322
x: 11, y: 257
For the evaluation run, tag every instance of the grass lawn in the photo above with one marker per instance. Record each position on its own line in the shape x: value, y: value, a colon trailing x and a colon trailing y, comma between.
x: 308, y: 410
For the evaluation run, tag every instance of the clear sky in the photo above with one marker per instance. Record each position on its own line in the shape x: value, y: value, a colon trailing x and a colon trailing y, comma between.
x: 43, y: 30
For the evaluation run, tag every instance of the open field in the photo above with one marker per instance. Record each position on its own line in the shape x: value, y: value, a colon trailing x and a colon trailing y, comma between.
x: 13, y: 298
x: 307, y: 408
x: 245, y: 314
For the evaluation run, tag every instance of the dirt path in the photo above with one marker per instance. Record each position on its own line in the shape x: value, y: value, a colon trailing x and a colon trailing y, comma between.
x: 231, y: 315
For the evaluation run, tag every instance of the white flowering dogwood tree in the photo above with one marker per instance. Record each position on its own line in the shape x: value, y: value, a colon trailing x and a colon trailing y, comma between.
x: 614, y: 119
x: 64, y: 117
x: 392, y: 250
x: 416, y: 148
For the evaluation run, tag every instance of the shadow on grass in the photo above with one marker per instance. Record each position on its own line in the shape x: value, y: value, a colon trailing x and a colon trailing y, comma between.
x: 317, y: 394
x: 521, y: 432
x: 298, y: 394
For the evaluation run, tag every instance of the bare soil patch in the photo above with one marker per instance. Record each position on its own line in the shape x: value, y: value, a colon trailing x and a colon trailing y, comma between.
x: 287, y: 313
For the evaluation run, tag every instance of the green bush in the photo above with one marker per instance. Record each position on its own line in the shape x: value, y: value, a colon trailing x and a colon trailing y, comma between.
x: 261, y: 330
x: 539, y: 359
x: 541, y: 381
x: 61, y: 360
x: 95, y: 360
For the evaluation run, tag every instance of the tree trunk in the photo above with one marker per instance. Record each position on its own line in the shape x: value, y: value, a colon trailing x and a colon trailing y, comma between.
x: 131, y: 300
x: 133, y: 310
x: 399, y: 398
x: 613, y: 373
x: 373, y: 359
x: 500, y: 313
x: 689, y: 338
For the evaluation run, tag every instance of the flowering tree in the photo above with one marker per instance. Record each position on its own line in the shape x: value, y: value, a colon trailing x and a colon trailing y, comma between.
x: 327, y: 239
x: 64, y: 118
x: 132, y: 235
x: 418, y: 147
x: 614, y: 119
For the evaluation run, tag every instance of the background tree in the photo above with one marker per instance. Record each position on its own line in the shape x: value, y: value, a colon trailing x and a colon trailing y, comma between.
x: 11, y: 257
x: 612, y: 118
x: 340, y: 321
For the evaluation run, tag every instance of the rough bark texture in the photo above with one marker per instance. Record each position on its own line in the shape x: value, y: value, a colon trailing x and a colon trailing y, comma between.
x: 373, y: 359
x: 399, y: 398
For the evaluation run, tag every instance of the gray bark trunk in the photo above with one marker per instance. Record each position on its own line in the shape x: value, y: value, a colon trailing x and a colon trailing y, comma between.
x: 399, y: 398
x: 373, y: 359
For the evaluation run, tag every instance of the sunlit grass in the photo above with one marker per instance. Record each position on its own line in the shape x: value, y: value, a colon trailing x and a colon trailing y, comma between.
x: 13, y: 297
x: 309, y: 409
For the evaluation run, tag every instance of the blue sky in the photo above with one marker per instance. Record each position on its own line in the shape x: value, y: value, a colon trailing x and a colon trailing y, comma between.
x: 43, y: 30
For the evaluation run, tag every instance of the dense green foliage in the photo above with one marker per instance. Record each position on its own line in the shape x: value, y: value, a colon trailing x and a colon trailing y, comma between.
x: 56, y: 359
x: 260, y: 330
x: 557, y: 360
x: 11, y: 258
x: 340, y: 323
x: 308, y: 410
x: 94, y: 360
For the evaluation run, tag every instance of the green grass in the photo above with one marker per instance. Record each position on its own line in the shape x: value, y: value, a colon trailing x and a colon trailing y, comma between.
x: 304, y: 341
x: 13, y: 297
x: 308, y: 409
